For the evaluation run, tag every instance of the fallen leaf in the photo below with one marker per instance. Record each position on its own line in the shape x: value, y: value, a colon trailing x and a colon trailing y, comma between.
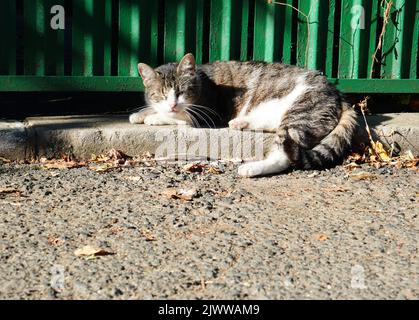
x: 92, y: 251
x: 363, y: 175
x: 187, y: 194
x: 352, y: 166
x: 55, y: 241
x: 214, y: 170
x: 114, y: 154
x: 170, y: 193
x: 148, y: 235
x: 193, y: 167
x: 102, y: 167
x: 60, y: 164
x: 183, y: 194
x: 10, y: 191
x: 322, y: 237
x: 4, y: 160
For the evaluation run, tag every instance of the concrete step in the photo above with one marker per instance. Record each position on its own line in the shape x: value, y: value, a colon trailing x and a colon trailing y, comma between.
x: 83, y: 136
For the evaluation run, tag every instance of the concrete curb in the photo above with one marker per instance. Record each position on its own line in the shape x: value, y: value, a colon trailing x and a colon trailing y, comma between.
x: 83, y: 136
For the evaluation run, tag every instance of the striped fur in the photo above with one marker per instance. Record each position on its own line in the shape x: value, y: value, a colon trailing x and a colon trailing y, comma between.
x: 314, y: 124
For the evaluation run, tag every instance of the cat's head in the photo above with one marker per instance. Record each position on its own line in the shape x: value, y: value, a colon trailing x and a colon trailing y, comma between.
x: 172, y: 87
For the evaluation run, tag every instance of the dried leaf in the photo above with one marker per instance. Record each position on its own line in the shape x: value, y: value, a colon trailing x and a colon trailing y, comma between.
x: 363, y: 175
x: 92, y: 251
x: 214, y: 170
x: 322, y: 237
x: 114, y: 154
x: 170, y: 193
x: 60, y: 164
x: 352, y: 166
x: 10, y: 191
x: 101, y: 167
x: 183, y: 194
x: 193, y: 167
x: 4, y: 160
x: 55, y: 241
x: 187, y: 194
x: 380, y: 151
x: 148, y: 235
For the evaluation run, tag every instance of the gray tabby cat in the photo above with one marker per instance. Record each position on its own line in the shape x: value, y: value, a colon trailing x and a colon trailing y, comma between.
x: 313, y: 124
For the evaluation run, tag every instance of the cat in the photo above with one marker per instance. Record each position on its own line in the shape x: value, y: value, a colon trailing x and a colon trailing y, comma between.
x: 313, y: 123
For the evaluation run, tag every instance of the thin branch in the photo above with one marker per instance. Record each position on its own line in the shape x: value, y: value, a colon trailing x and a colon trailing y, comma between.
x: 307, y: 19
x: 387, y: 13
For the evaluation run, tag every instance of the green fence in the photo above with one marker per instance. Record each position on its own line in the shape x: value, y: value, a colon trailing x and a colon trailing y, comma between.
x: 103, y: 40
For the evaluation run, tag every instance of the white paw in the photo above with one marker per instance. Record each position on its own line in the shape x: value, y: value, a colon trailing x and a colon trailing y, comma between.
x: 238, y: 123
x: 136, y: 118
x: 154, y: 120
x: 251, y: 169
x: 182, y: 123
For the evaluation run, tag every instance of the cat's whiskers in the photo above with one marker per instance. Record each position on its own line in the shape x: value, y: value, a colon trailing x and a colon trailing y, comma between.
x: 205, y: 108
x: 193, y: 119
x: 201, y: 117
x: 142, y: 108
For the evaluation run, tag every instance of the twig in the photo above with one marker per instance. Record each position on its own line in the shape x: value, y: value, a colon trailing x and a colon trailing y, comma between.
x: 387, y: 13
x: 307, y: 19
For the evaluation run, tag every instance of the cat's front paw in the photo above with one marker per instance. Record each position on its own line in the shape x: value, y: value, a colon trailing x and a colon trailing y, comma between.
x: 137, y: 117
x: 251, y: 169
x: 238, y: 124
x: 155, y: 120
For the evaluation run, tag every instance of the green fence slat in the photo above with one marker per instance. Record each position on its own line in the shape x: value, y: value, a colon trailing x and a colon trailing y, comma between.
x: 397, y: 43
x: 152, y: 11
x: 34, y: 28
x: 265, y: 35
x: 286, y: 23
x: 129, y: 37
x: 83, y: 26
x: 372, y: 24
x: 54, y: 41
x: 149, y: 32
x: 101, y: 32
x: 220, y: 30
x: 303, y: 33
x: 356, y: 45
x: 175, y: 30
x: 414, y: 67
x: 107, y: 67
x: 199, y: 31
x: 220, y: 26
x: 314, y: 57
x: 225, y: 29
x: 244, y: 30
x: 8, y: 37
x: 330, y: 38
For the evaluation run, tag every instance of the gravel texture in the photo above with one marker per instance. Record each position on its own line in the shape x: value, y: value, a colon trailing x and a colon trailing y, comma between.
x: 300, y: 235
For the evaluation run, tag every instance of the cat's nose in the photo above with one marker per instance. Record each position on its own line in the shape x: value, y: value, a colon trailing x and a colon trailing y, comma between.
x: 173, y: 106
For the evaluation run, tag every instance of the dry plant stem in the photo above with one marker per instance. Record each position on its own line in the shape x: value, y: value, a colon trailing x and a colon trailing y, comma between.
x: 362, y: 106
x: 303, y: 14
x: 380, y: 38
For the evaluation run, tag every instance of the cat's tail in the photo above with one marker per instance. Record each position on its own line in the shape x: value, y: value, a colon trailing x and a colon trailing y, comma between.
x: 331, y: 148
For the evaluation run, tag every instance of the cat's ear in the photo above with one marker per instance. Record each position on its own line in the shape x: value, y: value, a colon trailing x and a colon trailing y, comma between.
x: 187, y: 64
x: 146, y: 72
